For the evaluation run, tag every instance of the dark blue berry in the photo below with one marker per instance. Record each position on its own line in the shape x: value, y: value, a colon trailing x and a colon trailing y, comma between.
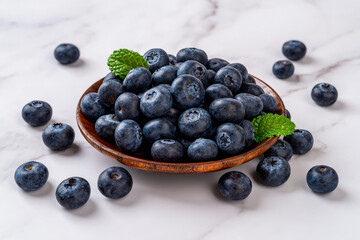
x: 105, y: 126
x: 249, y: 132
x: 159, y: 128
x: 73, y: 192
x: 194, y: 123
x: 109, y: 91
x: 249, y: 79
x: 294, y: 50
x: 112, y: 76
x: 58, y: 136
x: 269, y: 103
x: 66, y: 53
x: 234, y: 185
x: 36, y: 113
x: 115, y: 182
x: 251, y: 88
x: 167, y: 150
x: 172, y: 59
x: 128, y: 136
x: 242, y: 70
x: 273, y: 171
x: 185, y: 142
x: 216, y: 63
x: 138, y: 80
x: 280, y: 149
x: 91, y: 107
x: 230, y: 138
x: 202, y: 150
x: 156, y: 58
x: 192, y: 54
x: 187, y: 91
x: 31, y: 176
x: 127, y: 106
x: 230, y: 77
x: 300, y: 140
x: 322, y: 179
x: 156, y: 102
x: 173, y: 115
x: 252, y: 104
x: 164, y: 75
x: 216, y: 91
x: 283, y: 69
x: 196, y: 69
x: 211, y: 76
x: 227, y: 110
x: 324, y: 94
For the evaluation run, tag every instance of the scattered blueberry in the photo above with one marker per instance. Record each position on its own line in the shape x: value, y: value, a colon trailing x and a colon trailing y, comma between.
x: 249, y: 132
x: 324, y: 94
x: 31, y: 176
x: 138, y: 80
x: 66, y: 53
x: 269, y: 103
x: 242, y: 70
x: 128, y: 136
x: 230, y: 77
x: 109, y: 91
x: 115, y: 182
x: 273, y: 171
x: 164, y: 75
x: 252, y: 104
x: 283, y: 69
x: 294, y: 50
x: 216, y: 91
x: 280, y: 149
x: 251, y: 88
x: 167, y: 150
x: 156, y: 102
x: 227, y: 110
x: 216, y: 63
x: 322, y: 179
x: 73, y: 192
x: 196, y: 69
x: 300, y: 140
x: 230, y: 138
x: 202, y: 150
x: 192, y: 54
x: 105, y: 126
x: 91, y: 107
x: 194, y: 123
x: 36, y: 113
x: 156, y: 58
x: 234, y: 185
x: 159, y: 128
x: 127, y: 106
x: 58, y: 136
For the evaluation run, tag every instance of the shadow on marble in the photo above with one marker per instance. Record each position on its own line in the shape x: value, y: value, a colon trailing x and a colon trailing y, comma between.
x: 85, y: 211
x: 41, y: 128
x: 129, y: 200
x: 338, y: 105
x: 337, y: 195
x: 78, y: 63
x: 306, y: 60
x: 47, y: 189
x: 74, y: 149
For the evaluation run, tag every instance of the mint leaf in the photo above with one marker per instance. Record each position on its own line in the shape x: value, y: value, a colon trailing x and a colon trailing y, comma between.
x: 123, y: 60
x: 269, y: 125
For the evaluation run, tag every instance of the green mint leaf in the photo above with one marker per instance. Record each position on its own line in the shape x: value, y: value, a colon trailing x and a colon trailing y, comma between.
x: 123, y: 60
x: 270, y: 125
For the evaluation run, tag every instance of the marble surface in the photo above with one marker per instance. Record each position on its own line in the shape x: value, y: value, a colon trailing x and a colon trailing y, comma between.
x: 162, y: 206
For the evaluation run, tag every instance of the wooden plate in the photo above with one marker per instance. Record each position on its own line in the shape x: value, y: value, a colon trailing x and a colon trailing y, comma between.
x: 139, y: 160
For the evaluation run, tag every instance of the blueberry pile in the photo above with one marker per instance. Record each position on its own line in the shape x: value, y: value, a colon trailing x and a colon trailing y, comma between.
x: 186, y: 108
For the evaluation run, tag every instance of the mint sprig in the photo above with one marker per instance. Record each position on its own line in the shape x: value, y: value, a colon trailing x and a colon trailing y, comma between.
x: 123, y: 60
x: 270, y: 125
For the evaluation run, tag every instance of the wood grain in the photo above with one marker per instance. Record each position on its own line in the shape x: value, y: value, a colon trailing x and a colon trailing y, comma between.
x: 140, y: 161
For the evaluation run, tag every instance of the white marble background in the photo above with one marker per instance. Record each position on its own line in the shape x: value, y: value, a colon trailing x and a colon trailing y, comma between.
x: 182, y: 207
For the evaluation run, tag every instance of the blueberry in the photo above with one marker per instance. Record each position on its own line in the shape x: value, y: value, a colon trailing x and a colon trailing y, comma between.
x: 230, y: 138
x: 156, y: 58
x: 251, y: 88
x: 249, y: 132
x: 227, y: 110
x: 273, y: 171
x: 187, y: 91
x: 105, y: 126
x: 138, y: 80
x: 283, y: 69
x: 202, y: 150
x: 115, y: 182
x: 127, y: 106
x: 73, y: 192
x: 159, y: 128
x: 211, y: 76
x: 230, y: 77
x: 234, y: 185
x: 156, y: 102
x: 66, y: 53
x: 280, y: 149
x: 112, y: 76
x: 269, y: 103
x: 58, y: 136
x: 322, y: 179
x: 128, y: 136
x: 216, y: 91
x: 194, y: 123
x: 185, y: 142
x: 194, y: 68
x: 164, y: 75
x: 252, y: 104
x: 192, y: 54
x: 91, y: 107
x: 216, y: 63
x: 36, y: 113
x: 294, y: 50
x: 109, y: 91
x: 300, y: 140
x: 288, y: 115
x: 31, y: 176
x: 324, y: 94
x: 242, y: 70
x: 178, y: 64
x: 167, y: 150
x: 249, y: 79
x: 173, y: 114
